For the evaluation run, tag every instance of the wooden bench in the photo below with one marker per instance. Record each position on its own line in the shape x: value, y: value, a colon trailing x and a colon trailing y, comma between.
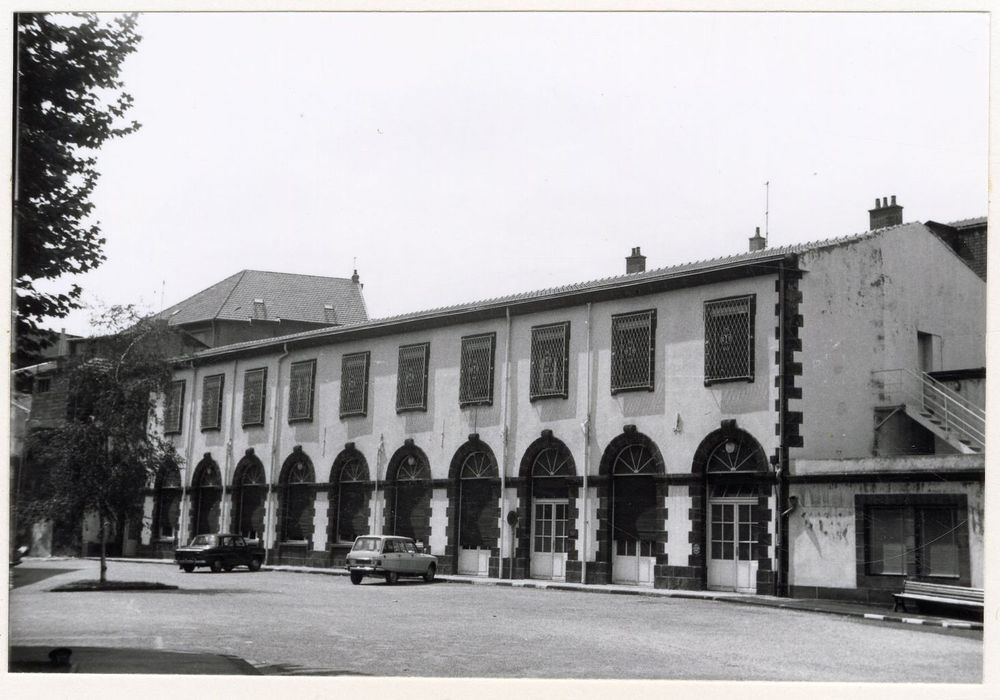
x: 939, y: 594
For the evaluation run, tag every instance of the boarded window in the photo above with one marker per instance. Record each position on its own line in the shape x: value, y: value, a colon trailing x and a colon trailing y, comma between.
x: 254, y: 393
x: 301, y: 387
x: 476, y: 379
x: 354, y: 384
x: 550, y: 361
x: 729, y: 339
x: 411, y: 387
x: 173, y: 410
x: 633, y: 351
x: 211, y: 402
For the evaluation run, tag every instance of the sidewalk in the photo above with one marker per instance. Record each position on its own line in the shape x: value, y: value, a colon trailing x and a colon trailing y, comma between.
x: 819, y: 605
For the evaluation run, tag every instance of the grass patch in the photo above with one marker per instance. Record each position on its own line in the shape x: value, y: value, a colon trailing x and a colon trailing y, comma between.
x: 89, y: 585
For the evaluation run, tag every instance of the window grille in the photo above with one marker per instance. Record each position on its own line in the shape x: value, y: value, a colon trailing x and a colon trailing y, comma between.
x: 254, y: 393
x: 411, y: 387
x: 354, y: 384
x: 476, y: 378
x: 634, y: 459
x: 552, y: 461
x: 735, y: 455
x: 412, y: 469
x: 43, y: 385
x: 477, y: 465
x: 729, y: 339
x: 633, y: 351
x: 550, y: 361
x: 211, y: 402
x: 173, y: 411
x: 353, y: 471
x: 300, y: 390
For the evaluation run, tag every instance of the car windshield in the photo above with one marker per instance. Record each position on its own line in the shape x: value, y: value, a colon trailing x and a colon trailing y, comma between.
x: 199, y: 540
x: 366, y: 544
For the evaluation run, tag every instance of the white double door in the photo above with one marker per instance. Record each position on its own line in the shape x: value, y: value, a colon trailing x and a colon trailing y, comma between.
x: 548, y: 539
x: 731, y: 566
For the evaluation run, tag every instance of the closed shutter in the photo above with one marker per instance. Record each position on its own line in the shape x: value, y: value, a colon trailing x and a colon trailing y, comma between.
x: 211, y: 402
x: 476, y: 375
x: 174, y: 409
x: 354, y: 384
x: 254, y: 392
x: 300, y: 390
x: 411, y: 387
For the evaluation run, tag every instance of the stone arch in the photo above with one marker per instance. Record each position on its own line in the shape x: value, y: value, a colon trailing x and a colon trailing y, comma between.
x: 629, y: 445
x: 350, y: 489
x: 296, y: 483
x: 167, y: 506
x: 408, y: 494
x: 249, y: 494
x: 746, y: 456
x: 206, y: 497
x: 473, y: 530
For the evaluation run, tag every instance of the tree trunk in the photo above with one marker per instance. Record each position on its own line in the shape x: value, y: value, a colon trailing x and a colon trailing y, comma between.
x: 102, y: 524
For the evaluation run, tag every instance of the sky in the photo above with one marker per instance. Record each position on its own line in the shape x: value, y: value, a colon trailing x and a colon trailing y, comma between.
x: 457, y: 157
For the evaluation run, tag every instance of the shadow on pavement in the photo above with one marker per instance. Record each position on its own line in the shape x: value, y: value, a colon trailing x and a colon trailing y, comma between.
x: 21, y: 576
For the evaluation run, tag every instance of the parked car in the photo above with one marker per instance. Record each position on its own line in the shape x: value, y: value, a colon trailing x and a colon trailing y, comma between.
x: 223, y: 551
x: 390, y: 557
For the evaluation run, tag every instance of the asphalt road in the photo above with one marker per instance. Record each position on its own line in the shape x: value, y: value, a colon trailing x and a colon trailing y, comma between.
x: 293, y: 623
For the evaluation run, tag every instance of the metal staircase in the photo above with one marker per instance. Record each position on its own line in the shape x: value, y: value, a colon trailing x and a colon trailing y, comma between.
x: 944, y: 412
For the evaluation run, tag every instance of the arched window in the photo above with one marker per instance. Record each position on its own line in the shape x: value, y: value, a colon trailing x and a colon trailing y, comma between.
x: 168, y: 502
x: 249, y: 497
x: 633, y: 460
x: 408, y: 506
x: 737, y: 453
x: 351, y: 471
x: 297, y: 489
x: 553, y: 461
x: 207, y: 496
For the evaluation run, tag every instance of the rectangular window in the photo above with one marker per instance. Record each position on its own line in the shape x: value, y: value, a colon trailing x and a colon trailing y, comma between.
x: 211, y: 402
x: 916, y: 540
x: 354, y: 384
x: 729, y: 325
x: 43, y: 385
x: 633, y: 351
x: 411, y: 384
x: 173, y: 409
x: 254, y: 393
x: 475, y: 385
x: 550, y: 361
x: 301, y: 386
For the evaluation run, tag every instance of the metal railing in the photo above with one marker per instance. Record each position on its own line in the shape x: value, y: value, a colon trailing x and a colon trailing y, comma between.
x: 953, y: 412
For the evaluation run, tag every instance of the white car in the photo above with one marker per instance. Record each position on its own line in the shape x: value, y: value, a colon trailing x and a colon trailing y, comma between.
x: 390, y: 557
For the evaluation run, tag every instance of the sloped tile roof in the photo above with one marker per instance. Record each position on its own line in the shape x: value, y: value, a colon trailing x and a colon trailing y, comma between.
x: 286, y: 296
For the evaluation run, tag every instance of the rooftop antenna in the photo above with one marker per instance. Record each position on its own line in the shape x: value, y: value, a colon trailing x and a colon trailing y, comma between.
x: 767, y: 206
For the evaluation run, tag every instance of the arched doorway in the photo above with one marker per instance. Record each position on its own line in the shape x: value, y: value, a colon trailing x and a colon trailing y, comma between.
x: 474, y: 484
x: 408, y: 495
x: 206, y: 497
x: 297, y: 484
x: 351, y: 488
x: 548, y: 494
x: 249, y: 497
x: 737, y: 487
x: 166, y: 518
x: 631, y: 462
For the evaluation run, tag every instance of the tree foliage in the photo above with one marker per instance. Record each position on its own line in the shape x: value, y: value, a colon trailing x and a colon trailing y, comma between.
x: 70, y: 101
x: 107, y: 450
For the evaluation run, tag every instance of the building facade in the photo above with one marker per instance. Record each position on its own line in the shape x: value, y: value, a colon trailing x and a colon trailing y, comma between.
x: 746, y: 423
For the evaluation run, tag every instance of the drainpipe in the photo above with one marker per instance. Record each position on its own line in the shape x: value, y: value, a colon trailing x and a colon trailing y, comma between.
x: 586, y: 449
x: 503, y: 452
x: 275, y: 453
x: 228, y: 464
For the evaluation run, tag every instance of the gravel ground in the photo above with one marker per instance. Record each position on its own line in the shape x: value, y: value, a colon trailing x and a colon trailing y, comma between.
x: 306, y: 624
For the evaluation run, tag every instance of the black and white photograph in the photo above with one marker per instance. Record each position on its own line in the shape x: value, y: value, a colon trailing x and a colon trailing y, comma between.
x: 380, y: 351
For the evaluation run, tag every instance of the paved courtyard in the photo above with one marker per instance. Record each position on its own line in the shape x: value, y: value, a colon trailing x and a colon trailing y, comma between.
x: 295, y: 623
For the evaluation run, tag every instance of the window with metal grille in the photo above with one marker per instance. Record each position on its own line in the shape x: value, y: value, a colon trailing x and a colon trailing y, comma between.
x: 633, y: 351
x: 550, y: 361
x: 354, y: 384
x: 411, y: 384
x: 475, y: 386
x: 173, y: 410
x: 254, y: 392
x: 301, y: 387
x: 729, y: 339
x: 211, y: 402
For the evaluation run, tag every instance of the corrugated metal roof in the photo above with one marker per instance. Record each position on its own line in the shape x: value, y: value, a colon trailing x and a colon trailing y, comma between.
x: 285, y: 296
x: 622, y: 281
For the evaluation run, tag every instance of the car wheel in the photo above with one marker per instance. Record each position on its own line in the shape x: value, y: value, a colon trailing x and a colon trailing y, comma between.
x: 216, y: 566
x: 254, y: 564
x: 356, y: 577
x: 429, y: 574
x: 188, y: 568
x: 391, y: 577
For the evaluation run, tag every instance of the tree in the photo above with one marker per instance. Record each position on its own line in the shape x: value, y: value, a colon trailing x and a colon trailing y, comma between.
x: 70, y: 101
x: 107, y: 449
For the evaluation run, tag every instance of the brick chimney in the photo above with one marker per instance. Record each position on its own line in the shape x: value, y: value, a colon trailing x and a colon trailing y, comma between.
x: 885, y: 214
x: 758, y: 242
x: 636, y: 262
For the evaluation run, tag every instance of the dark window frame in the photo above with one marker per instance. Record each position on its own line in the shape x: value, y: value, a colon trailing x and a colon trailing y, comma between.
x: 293, y: 394
x: 402, y: 407
x: 362, y: 410
x: 170, y: 404
x: 258, y: 419
x: 43, y: 385
x: 217, y: 425
x: 712, y: 373
x: 536, y: 391
x: 618, y: 384
x: 464, y: 384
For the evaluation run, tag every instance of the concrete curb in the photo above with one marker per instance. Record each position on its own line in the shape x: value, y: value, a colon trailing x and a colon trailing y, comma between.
x: 739, y: 598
